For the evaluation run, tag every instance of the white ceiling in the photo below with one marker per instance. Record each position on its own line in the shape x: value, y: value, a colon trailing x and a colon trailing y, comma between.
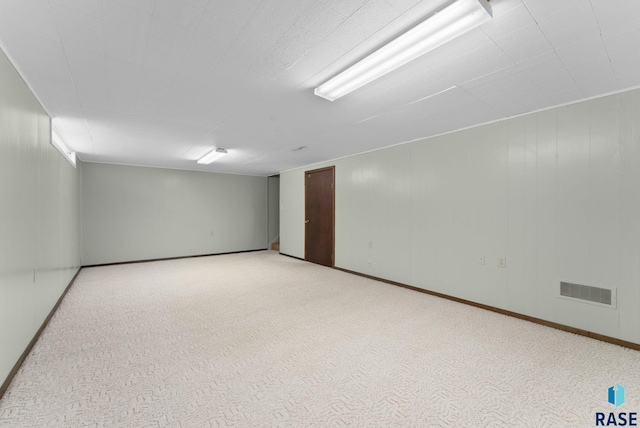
x: 162, y: 82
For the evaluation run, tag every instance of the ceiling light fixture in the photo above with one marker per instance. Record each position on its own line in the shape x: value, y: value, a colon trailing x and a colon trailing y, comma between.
x: 452, y: 21
x: 212, y: 156
x: 62, y: 148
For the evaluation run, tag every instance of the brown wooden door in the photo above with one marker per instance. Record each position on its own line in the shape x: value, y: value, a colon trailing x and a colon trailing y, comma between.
x: 319, y: 216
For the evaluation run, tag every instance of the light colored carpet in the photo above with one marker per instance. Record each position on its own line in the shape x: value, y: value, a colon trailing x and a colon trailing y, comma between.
x: 260, y: 339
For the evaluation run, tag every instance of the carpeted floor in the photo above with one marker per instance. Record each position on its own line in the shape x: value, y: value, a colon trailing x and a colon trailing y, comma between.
x: 260, y: 339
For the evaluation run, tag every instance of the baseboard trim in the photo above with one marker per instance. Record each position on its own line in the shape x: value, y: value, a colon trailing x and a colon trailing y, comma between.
x: 540, y: 321
x: 16, y: 367
x: 172, y: 258
x: 294, y: 257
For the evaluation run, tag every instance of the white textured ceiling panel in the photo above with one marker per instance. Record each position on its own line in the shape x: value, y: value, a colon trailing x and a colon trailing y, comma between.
x: 161, y: 82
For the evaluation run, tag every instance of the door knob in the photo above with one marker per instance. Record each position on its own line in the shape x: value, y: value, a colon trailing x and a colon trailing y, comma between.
x: 306, y: 221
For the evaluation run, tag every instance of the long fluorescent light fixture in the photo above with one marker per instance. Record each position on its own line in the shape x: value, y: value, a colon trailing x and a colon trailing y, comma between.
x: 212, y: 156
x: 62, y: 148
x: 445, y: 25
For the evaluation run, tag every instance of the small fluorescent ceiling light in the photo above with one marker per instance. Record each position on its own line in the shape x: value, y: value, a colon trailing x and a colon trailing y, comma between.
x: 62, y: 148
x: 445, y: 25
x: 212, y: 156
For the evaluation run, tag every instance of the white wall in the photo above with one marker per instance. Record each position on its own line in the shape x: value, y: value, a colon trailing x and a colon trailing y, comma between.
x: 39, y: 218
x: 556, y: 192
x: 292, y: 213
x: 135, y: 213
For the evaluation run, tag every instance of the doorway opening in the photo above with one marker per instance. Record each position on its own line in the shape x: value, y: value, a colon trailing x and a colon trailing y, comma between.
x: 273, y: 212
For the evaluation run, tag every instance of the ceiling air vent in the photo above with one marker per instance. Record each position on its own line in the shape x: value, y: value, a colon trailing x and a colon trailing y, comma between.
x: 588, y: 294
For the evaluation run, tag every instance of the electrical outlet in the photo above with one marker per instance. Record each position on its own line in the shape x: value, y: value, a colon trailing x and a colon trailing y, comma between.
x: 369, y: 262
x: 502, y: 262
x: 370, y: 246
x: 481, y: 260
x: 211, y: 233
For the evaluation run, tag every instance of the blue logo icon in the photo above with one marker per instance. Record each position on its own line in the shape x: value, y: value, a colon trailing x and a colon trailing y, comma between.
x: 616, y: 395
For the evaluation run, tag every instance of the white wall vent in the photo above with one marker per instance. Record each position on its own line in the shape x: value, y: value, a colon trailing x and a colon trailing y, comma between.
x: 588, y: 294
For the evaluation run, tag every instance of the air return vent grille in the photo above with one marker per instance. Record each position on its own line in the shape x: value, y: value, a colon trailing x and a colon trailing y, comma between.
x: 588, y: 294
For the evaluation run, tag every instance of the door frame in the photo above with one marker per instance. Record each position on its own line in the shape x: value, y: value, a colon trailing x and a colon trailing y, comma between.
x: 333, y: 211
